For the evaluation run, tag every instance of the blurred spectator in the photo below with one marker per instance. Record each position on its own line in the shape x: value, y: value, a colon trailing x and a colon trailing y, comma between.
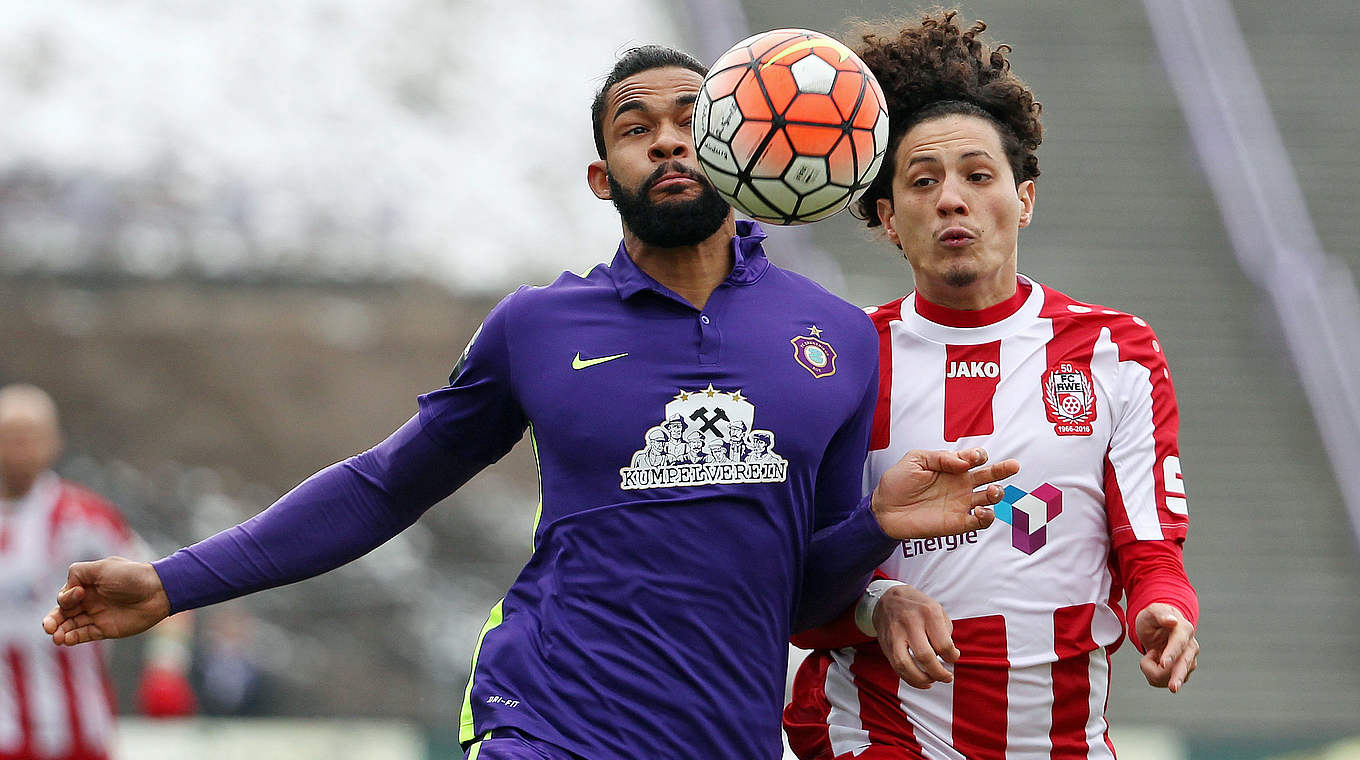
x: 57, y: 703
x: 229, y: 677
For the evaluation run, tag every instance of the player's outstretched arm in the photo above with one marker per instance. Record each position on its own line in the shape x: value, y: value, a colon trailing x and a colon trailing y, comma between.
x: 107, y: 599
x: 1171, y: 649
x: 931, y: 493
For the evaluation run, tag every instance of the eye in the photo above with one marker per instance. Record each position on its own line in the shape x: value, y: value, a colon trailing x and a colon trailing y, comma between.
x: 636, y: 129
x: 979, y: 177
x: 923, y: 182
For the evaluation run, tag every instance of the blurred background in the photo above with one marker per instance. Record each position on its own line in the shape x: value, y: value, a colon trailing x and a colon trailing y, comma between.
x: 237, y: 240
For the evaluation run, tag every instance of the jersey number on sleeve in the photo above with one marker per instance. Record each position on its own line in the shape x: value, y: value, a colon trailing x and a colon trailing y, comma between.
x: 1174, y: 484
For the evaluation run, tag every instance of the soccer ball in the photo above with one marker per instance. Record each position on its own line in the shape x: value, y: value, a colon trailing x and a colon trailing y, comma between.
x: 790, y: 126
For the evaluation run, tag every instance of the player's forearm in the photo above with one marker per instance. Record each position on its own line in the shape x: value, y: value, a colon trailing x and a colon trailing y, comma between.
x: 840, y: 562
x: 1154, y: 571
x: 333, y: 517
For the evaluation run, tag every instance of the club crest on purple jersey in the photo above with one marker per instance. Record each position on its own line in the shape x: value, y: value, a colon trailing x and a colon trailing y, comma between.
x: 814, y: 354
x: 705, y: 437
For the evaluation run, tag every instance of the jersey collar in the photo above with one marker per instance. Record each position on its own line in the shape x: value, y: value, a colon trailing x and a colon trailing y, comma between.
x: 948, y: 317
x: 921, y: 318
x: 748, y: 264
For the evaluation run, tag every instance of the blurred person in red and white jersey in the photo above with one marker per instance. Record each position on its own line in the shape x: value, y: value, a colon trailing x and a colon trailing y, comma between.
x: 57, y: 703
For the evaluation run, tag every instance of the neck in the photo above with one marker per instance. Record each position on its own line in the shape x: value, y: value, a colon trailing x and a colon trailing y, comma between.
x: 982, y: 293
x: 14, y: 489
x: 692, y: 271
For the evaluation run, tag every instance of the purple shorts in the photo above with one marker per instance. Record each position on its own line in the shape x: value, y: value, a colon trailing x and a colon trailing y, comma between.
x: 510, y: 744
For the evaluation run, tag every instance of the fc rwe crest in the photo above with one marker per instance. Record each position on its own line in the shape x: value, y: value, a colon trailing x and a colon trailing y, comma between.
x: 1070, y: 398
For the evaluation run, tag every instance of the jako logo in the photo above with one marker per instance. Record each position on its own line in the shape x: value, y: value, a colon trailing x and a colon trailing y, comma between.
x: 973, y: 369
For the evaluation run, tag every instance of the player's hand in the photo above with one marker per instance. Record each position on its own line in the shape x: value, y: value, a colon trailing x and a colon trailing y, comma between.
x: 107, y: 599
x: 930, y: 493
x: 1169, y: 642
x: 915, y: 635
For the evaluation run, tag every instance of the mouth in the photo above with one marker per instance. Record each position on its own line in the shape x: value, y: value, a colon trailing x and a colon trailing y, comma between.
x: 675, y: 181
x: 675, y: 185
x: 956, y: 237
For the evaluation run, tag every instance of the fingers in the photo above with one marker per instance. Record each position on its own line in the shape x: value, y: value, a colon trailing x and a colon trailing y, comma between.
x: 982, y: 500
x: 907, y: 667
x: 1183, y: 666
x: 951, y: 462
x: 80, y: 573
x: 81, y: 635
x: 70, y: 598
x: 1155, y: 674
x: 1171, y: 648
x: 59, y: 620
x: 917, y: 636
x: 932, y: 669
x: 988, y: 496
x: 978, y: 519
x: 927, y: 660
x: 1165, y: 671
x: 919, y: 658
x: 69, y: 631
x: 52, y: 619
x: 993, y: 472
x: 1175, y: 643
x: 980, y: 506
x: 975, y: 456
x: 939, y: 633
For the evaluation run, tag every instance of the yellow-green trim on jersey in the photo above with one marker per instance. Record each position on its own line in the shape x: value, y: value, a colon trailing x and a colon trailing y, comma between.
x: 538, y: 514
x: 466, y: 730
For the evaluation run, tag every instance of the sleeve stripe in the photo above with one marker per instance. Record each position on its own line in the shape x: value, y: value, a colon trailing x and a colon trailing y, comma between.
x: 1145, y: 439
x: 881, y: 433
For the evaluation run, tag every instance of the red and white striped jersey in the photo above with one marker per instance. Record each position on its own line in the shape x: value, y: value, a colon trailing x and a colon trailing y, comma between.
x: 55, y: 702
x: 1082, y: 397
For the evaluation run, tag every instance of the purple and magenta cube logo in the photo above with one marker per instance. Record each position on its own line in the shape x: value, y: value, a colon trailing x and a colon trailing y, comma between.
x: 1029, y: 513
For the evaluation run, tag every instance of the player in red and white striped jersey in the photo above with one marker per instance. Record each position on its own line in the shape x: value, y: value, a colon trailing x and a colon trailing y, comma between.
x: 979, y: 355
x: 56, y: 703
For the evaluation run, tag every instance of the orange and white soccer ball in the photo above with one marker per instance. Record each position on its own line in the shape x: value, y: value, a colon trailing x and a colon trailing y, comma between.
x: 790, y: 126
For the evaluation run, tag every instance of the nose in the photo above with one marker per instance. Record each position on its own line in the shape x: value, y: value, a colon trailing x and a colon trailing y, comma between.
x: 951, y: 200
x: 670, y: 141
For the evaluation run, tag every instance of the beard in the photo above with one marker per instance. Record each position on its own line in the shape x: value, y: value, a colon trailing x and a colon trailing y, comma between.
x: 673, y: 223
x: 960, y: 276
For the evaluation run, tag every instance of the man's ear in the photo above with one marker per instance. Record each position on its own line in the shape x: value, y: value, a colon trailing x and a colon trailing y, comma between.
x: 1025, y: 191
x: 597, y: 176
x: 885, y: 217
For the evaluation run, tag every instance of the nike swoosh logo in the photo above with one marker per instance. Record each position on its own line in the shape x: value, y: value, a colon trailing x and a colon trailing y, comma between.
x: 579, y: 363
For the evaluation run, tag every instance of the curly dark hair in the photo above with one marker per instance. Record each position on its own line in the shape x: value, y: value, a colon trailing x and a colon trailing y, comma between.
x: 935, y: 67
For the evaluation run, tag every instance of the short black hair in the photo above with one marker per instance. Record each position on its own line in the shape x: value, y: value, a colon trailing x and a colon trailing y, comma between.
x: 635, y: 61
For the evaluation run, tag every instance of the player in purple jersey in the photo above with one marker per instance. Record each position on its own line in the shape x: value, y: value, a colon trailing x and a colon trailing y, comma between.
x: 652, y: 618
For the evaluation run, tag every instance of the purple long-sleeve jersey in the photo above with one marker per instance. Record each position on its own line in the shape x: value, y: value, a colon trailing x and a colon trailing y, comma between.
x: 700, y: 473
